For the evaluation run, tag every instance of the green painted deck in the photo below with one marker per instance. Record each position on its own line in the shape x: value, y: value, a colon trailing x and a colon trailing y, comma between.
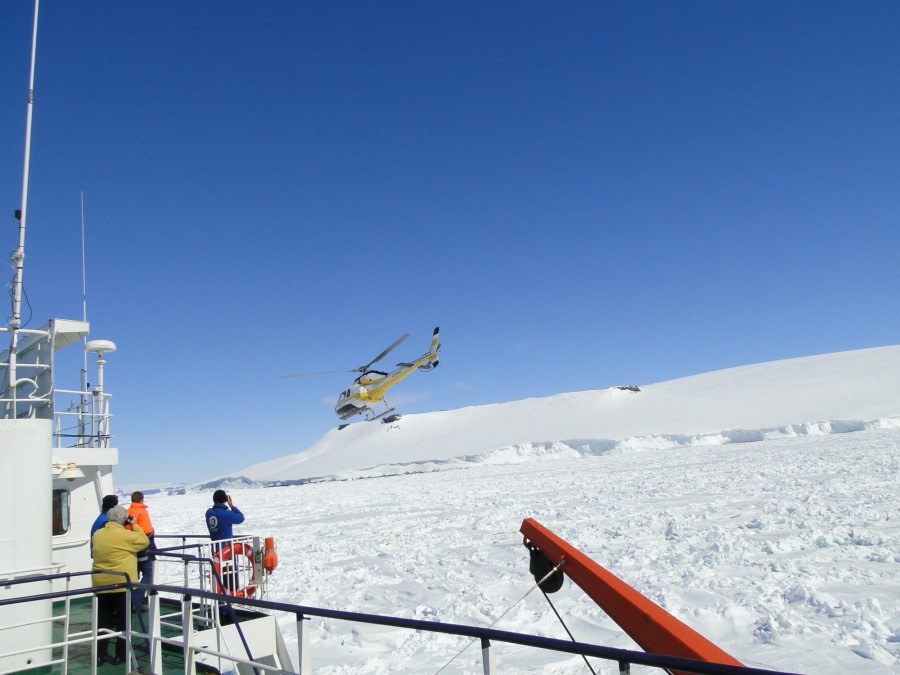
x: 79, y: 655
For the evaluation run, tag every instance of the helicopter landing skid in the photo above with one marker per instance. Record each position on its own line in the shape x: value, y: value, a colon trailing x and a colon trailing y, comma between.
x: 380, y: 415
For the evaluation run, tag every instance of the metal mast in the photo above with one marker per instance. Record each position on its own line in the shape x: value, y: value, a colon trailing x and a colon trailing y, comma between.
x: 18, y: 256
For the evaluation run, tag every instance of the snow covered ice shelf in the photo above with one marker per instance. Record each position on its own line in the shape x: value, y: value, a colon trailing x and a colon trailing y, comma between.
x: 784, y: 552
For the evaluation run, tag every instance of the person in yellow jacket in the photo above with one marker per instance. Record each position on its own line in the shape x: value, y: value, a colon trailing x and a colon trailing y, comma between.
x: 115, y: 550
x: 141, y: 521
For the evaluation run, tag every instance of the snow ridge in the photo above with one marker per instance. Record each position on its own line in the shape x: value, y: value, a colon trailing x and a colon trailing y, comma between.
x: 846, y: 391
x: 572, y: 448
x: 830, y: 393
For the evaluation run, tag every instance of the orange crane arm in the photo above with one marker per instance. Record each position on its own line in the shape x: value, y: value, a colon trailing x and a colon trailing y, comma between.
x: 648, y: 624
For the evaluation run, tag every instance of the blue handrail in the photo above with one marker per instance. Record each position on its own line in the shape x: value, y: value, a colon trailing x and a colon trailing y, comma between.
x: 489, y: 634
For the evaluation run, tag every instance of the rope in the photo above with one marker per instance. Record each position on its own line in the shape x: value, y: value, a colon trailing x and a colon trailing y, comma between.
x: 567, y: 630
x: 497, y: 620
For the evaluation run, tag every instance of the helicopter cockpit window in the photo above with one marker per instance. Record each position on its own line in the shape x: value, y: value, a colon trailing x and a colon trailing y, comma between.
x: 61, y: 506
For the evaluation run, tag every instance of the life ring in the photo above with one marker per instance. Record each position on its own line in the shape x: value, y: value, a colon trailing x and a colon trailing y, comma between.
x: 224, y: 555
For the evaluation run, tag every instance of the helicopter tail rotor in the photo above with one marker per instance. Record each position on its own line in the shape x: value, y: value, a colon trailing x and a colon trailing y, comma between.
x: 432, y: 361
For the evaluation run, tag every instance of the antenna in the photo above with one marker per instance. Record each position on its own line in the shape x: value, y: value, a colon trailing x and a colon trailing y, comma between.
x: 21, y: 214
x: 84, y: 370
x: 83, y: 294
x: 18, y: 256
x: 83, y: 266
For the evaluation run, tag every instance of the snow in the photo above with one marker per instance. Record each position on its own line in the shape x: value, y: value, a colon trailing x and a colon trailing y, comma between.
x: 758, y: 504
x: 816, y: 394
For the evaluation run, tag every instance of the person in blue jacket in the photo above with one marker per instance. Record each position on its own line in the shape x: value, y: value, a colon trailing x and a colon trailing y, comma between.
x: 219, y: 520
x: 109, y: 501
x: 222, y: 516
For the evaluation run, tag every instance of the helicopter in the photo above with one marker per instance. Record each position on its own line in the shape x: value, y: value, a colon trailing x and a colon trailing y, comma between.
x: 368, y: 389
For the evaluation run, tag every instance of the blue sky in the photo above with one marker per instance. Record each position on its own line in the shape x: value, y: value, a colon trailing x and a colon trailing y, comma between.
x: 579, y: 194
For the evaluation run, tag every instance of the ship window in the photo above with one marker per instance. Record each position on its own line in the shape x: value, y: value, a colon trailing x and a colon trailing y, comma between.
x: 61, y: 506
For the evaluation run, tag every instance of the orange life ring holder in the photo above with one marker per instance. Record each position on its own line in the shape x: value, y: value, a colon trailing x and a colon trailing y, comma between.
x: 270, y: 557
x: 226, y: 554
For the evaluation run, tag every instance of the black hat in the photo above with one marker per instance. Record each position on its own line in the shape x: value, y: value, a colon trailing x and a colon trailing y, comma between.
x: 220, y: 497
x: 109, y: 501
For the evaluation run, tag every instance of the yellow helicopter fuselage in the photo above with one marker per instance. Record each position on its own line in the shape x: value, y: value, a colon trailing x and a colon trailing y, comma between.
x: 369, y: 388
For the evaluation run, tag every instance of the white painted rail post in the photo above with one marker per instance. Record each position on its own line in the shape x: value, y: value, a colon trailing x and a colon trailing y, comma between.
x: 187, y: 633
x: 155, y: 635
x: 487, y: 658
x: 130, y: 661
x: 303, y: 645
x: 95, y: 602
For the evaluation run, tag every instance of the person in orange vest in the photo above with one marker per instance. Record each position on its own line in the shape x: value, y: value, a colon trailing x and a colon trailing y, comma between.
x: 140, y: 519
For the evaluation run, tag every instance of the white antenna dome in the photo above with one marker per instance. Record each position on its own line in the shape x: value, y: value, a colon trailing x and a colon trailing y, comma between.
x: 100, y: 346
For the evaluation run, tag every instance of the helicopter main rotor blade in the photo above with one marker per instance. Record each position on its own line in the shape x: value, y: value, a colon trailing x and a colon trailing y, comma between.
x: 387, y: 351
x: 324, y: 372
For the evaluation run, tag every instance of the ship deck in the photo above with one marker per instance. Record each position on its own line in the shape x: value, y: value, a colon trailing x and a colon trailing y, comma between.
x: 78, y: 657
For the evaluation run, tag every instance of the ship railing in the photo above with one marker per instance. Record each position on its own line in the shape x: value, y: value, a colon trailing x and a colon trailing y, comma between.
x: 485, y: 636
x: 27, y: 373
x: 230, y: 566
x: 209, y: 611
x: 302, y: 614
x: 70, y: 635
x: 83, y: 422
